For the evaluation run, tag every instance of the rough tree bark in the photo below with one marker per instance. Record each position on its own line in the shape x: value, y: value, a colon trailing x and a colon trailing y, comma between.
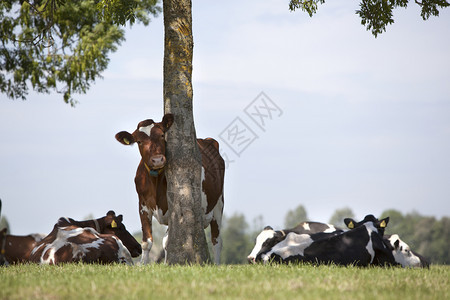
x: 186, y: 241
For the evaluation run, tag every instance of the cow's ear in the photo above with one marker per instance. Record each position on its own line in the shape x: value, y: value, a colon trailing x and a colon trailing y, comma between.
x: 120, y: 218
x: 113, y: 224
x: 125, y: 138
x: 383, y: 223
x: 167, y: 121
x: 110, y: 215
x: 396, y: 244
x: 349, y: 222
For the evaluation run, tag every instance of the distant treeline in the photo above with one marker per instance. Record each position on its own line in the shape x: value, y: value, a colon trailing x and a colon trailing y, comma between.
x: 425, y: 235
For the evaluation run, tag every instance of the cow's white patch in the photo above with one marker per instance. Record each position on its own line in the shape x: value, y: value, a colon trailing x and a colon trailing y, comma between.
x: 145, y: 209
x: 215, y: 213
x: 208, y: 217
x: 35, y: 249
x: 123, y: 255
x: 162, y: 218
x: 293, y: 244
x: 330, y: 229
x: 146, y: 247
x: 306, y: 226
x: 403, y: 254
x: 164, y: 244
x: 216, y: 217
x: 157, y: 214
x: 80, y: 250
x: 147, y: 129
x: 260, y: 239
x: 217, y: 249
x: 61, y: 240
x: 369, y: 247
x: 38, y: 236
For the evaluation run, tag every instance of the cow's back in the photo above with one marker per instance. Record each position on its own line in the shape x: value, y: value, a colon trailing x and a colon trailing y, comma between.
x: 214, y: 171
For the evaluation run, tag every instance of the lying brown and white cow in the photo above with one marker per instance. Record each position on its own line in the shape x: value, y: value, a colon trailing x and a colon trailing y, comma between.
x: 109, y: 224
x: 77, y: 244
x: 151, y: 184
x: 16, y: 249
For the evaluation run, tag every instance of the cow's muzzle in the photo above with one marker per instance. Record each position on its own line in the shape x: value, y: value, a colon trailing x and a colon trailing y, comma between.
x: 157, y: 161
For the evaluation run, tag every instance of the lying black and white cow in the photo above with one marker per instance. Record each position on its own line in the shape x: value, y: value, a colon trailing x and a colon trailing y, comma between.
x: 401, y: 252
x: 360, y: 246
x: 269, y: 237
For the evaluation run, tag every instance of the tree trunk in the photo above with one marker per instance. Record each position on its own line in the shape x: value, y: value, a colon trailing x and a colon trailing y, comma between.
x: 186, y: 241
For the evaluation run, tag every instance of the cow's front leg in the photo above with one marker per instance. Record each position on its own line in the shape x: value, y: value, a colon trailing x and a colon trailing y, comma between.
x: 215, y: 225
x: 164, y: 244
x: 216, y: 240
x: 147, y: 237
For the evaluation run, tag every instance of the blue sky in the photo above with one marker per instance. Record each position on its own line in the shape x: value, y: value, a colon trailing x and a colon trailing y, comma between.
x: 362, y: 122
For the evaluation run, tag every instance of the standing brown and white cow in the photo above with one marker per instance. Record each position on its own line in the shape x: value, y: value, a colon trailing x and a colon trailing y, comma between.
x: 151, y: 184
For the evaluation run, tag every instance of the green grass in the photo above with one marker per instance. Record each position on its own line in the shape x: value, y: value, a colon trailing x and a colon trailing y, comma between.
x: 78, y: 281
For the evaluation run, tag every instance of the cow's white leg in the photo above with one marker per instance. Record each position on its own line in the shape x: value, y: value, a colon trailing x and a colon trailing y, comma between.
x: 216, y: 227
x: 147, y: 238
x: 146, y: 247
x: 164, y: 244
x: 217, y: 248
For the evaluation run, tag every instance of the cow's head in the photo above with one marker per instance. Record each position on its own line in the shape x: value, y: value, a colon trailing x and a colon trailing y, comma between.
x: 380, y: 225
x: 151, y: 142
x: 375, y: 228
x: 265, y: 242
x: 114, y: 225
x: 404, y: 255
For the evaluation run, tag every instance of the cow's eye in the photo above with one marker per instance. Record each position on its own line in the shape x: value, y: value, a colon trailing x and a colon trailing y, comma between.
x: 138, y: 142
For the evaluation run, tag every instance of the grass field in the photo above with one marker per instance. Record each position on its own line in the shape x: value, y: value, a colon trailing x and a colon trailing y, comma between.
x: 77, y: 281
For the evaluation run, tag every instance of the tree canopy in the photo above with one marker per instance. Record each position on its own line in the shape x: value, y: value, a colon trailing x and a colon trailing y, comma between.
x: 295, y: 216
x: 376, y: 14
x: 57, y: 45
x: 337, y: 219
x: 64, y: 46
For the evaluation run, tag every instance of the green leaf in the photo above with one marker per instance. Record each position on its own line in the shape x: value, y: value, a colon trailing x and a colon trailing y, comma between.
x: 61, y: 45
